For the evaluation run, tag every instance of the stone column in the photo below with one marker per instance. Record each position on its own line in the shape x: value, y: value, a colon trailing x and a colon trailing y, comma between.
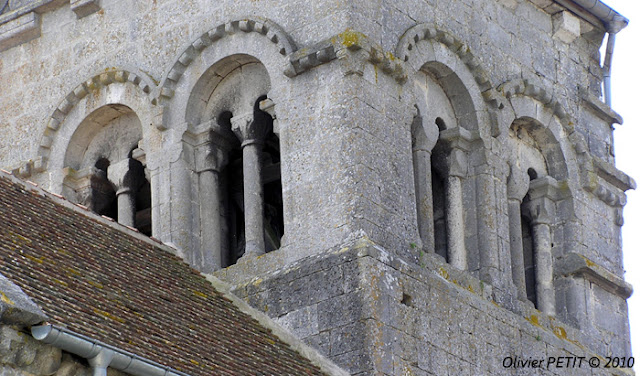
x: 123, y: 176
x: 211, y: 156
x: 423, y: 142
x: 541, y: 208
x: 252, y: 132
x: 517, y: 186
x: 458, y: 140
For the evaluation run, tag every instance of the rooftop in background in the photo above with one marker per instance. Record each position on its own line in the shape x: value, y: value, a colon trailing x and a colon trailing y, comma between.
x: 97, y: 280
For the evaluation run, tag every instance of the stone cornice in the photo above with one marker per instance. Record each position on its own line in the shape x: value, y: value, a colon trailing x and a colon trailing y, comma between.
x: 600, y: 108
x: 341, y: 46
x: 574, y: 264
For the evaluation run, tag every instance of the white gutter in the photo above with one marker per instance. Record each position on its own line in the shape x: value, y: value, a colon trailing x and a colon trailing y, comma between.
x: 613, y: 23
x: 100, y: 355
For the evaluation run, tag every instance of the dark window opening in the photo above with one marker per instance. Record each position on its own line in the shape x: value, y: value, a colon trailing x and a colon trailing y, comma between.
x: 532, y: 174
x: 438, y: 190
x: 103, y: 194
x: 142, y: 189
x: 441, y: 124
x: 529, y: 256
x: 233, y: 190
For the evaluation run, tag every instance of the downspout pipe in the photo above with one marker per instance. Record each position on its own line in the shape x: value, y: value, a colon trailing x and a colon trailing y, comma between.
x: 100, y: 355
x: 606, y: 69
x: 613, y: 22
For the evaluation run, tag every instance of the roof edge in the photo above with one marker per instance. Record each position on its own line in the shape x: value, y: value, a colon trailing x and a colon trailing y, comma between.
x: 612, y: 20
x: 317, y: 359
x: 59, y: 200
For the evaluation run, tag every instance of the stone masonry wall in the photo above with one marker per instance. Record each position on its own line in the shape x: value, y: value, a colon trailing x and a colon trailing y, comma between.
x: 372, y: 313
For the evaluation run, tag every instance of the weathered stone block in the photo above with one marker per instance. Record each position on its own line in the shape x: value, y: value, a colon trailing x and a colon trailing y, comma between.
x: 566, y: 26
x: 19, y: 30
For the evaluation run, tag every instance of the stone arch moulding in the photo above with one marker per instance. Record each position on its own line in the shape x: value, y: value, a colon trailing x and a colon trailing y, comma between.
x: 529, y: 100
x: 198, y: 54
x: 423, y: 43
x: 127, y: 87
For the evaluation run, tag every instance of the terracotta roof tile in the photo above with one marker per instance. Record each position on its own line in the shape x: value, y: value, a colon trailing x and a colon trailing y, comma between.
x: 113, y: 287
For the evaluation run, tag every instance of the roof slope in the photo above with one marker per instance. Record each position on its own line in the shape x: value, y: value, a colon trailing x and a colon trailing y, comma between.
x: 101, y: 282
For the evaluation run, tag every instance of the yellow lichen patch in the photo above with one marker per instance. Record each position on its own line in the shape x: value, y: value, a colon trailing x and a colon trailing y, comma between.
x: 72, y: 271
x: 350, y: 38
x: 470, y: 288
x: 26, y: 240
x: 34, y: 259
x: 5, y: 299
x: 443, y: 273
x: 560, y: 332
x: 194, y: 362
x: 199, y: 294
x: 63, y: 283
x: 95, y: 284
x: 534, y: 320
x: 390, y: 56
x: 590, y: 263
x: 108, y: 315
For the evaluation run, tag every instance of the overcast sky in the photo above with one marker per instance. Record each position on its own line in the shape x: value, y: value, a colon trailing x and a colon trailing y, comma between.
x: 626, y: 102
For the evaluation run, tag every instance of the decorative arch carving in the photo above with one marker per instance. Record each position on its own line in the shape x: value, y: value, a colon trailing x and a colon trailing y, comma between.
x: 425, y: 46
x: 406, y: 49
x: 137, y: 81
x: 592, y: 174
x: 271, y: 31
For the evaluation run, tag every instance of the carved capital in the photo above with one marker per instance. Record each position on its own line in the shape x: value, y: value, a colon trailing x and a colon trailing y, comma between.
x: 80, y: 179
x: 457, y: 163
x: 424, y: 138
x: 517, y: 183
x: 212, y: 143
x: 457, y: 138
x: 124, y: 175
x: 249, y: 129
x: 544, y: 187
x: 269, y: 107
x: 540, y: 211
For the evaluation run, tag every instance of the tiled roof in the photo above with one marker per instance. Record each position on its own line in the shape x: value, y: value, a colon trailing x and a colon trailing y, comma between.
x: 101, y: 282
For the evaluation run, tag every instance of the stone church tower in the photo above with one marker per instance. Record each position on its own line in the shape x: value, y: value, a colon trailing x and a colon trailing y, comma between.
x: 415, y: 187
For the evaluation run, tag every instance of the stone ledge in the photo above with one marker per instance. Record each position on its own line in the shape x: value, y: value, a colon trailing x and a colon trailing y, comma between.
x: 574, y: 264
x: 613, y: 176
x: 83, y: 8
x: 601, y: 109
x: 19, y: 30
x: 38, y: 6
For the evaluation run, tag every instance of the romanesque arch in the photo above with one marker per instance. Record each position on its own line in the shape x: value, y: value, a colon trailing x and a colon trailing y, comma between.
x: 452, y: 109
x: 539, y: 187
x: 221, y: 96
x: 93, y: 148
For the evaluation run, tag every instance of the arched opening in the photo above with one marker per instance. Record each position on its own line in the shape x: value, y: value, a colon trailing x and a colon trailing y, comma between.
x: 248, y: 192
x: 533, y: 190
x: 446, y: 111
x: 100, y: 167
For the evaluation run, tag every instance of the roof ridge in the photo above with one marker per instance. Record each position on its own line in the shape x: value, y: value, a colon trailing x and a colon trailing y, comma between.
x: 60, y: 200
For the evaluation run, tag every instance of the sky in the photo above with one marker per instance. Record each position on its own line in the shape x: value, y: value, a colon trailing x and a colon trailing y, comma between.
x: 626, y: 102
